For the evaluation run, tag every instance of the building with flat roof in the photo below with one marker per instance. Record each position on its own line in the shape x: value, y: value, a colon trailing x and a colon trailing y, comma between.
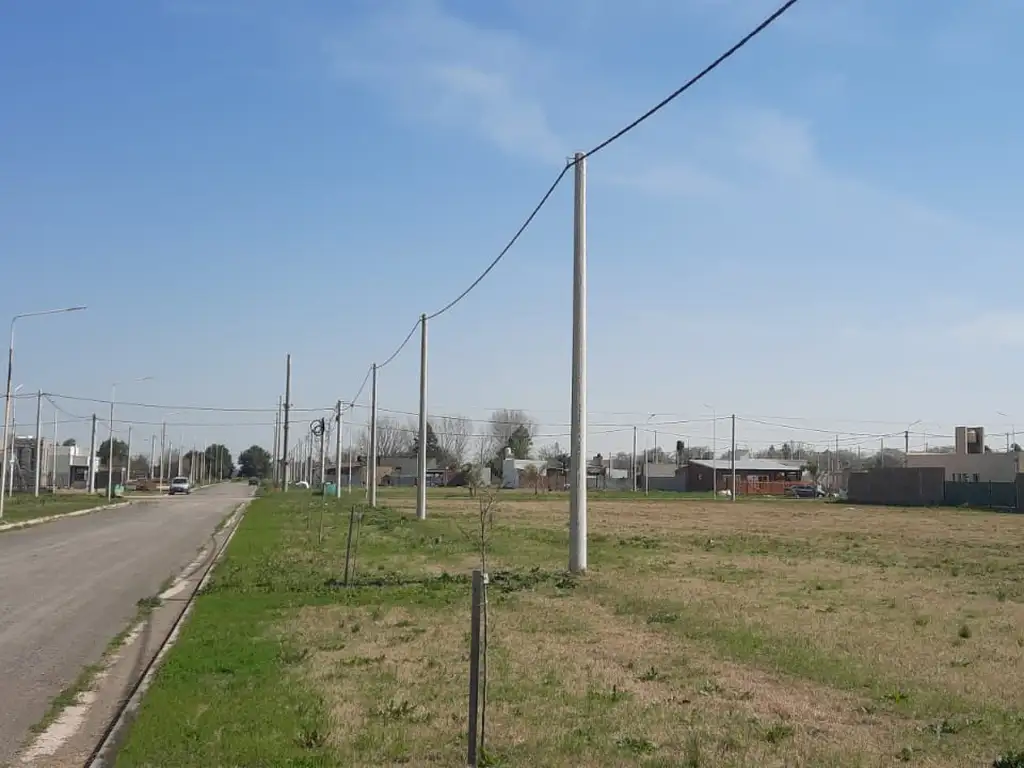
x: 971, y: 461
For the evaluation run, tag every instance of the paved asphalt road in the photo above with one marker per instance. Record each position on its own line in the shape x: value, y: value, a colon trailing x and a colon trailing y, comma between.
x: 67, y: 587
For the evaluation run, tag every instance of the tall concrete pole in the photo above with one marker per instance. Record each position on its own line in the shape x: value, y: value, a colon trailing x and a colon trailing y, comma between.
x: 110, y: 446
x: 163, y: 451
x: 128, y: 465
x: 284, y: 427
x: 7, y: 421
x: 633, y: 470
x: 578, y: 422
x: 92, y: 456
x: 276, y: 466
x: 337, y: 453
x: 39, y: 439
x: 732, y: 457
x: 350, y: 466
x: 421, y: 459
x: 152, y: 454
x: 53, y: 458
x: 371, y: 479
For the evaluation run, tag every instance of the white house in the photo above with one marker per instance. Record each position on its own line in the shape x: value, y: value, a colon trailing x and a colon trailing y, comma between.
x: 512, y: 470
x: 73, y: 466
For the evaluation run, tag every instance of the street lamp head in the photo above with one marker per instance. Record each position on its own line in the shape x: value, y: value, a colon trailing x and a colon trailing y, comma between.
x: 46, y: 312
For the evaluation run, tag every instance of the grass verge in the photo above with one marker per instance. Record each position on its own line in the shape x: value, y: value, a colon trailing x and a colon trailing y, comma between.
x: 705, y: 634
x: 22, y: 508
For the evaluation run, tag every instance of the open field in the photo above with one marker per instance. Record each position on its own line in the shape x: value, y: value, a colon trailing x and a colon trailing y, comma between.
x: 705, y: 634
x: 22, y: 507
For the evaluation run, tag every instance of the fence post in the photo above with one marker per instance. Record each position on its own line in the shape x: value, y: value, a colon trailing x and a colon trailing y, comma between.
x: 474, y: 666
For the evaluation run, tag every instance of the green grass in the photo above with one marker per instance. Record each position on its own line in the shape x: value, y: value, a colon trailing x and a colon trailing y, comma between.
x: 704, y: 634
x: 23, y: 507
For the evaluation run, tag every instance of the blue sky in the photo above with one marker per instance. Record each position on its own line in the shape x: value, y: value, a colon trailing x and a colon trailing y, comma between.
x: 822, y: 232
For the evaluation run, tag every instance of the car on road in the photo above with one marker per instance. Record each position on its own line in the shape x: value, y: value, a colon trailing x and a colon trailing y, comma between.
x: 254, y: 481
x: 179, y: 485
x: 806, y: 491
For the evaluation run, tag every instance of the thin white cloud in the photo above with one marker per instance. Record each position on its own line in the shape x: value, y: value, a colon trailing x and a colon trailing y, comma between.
x: 438, y: 67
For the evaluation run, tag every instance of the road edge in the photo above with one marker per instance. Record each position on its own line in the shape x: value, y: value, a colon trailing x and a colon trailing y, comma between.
x: 106, y: 751
x: 77, y: 513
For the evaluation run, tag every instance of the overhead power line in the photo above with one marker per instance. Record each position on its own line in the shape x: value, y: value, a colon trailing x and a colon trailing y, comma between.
x: 696, y: 78
x: 400, y: 346
x: 614, y: 137
x: 172, y: 407
x: 508, y: 246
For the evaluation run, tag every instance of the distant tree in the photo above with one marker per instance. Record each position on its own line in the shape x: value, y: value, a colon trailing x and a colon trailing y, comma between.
x: 453, y: 435
x: 1015, y: 448
x: 549, y: 452
x: 473, y: 478
x: 392, y: 438
x: 120, y: 452
x: 69, y: 442
x: 521, y: 442
x: 255, y: 461
x: 433, y: 446
x: 533, y: 477
x: 508, y: 427
x: 219, y: 463
x: 138, y: 466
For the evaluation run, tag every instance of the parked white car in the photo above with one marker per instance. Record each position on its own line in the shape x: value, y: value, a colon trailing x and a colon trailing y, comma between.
x: 179, y: 485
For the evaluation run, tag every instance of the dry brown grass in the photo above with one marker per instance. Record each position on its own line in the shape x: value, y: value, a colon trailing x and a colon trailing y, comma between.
x: 706, y: 633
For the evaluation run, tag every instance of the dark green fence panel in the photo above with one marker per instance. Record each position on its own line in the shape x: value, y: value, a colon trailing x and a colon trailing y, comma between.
x: 984, y: 495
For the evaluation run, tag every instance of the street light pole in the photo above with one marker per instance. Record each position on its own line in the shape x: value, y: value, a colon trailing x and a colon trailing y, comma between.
x: 714, y: 449
x: 39, y: 440
x: 7, y: 398
x: 110, y: 444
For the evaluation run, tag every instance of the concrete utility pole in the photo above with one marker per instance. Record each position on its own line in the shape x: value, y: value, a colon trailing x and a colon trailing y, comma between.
x: 152, y: 454
x: 53, y: 458
x: 633, y: 471
x: 733, y: 458
x: 110, y: 446
x: 714, y: 450
x: 128, y: 463
x: 421, y: 458
x: 284, y: 427
x: 39, y: 439
x: 578, y: 421
x: 350, y: 467
x: 8, y: 396
x: 275, y: 472
x: 839, y: 467
x: 92, y: 456
x: 906, y: 447
x: 371, y: 478
x: 163, y: 451
x: 337, y: 454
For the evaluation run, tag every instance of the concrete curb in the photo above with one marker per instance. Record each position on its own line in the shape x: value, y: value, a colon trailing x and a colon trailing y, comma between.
x: 76, y: 513
x: 106, y: 752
